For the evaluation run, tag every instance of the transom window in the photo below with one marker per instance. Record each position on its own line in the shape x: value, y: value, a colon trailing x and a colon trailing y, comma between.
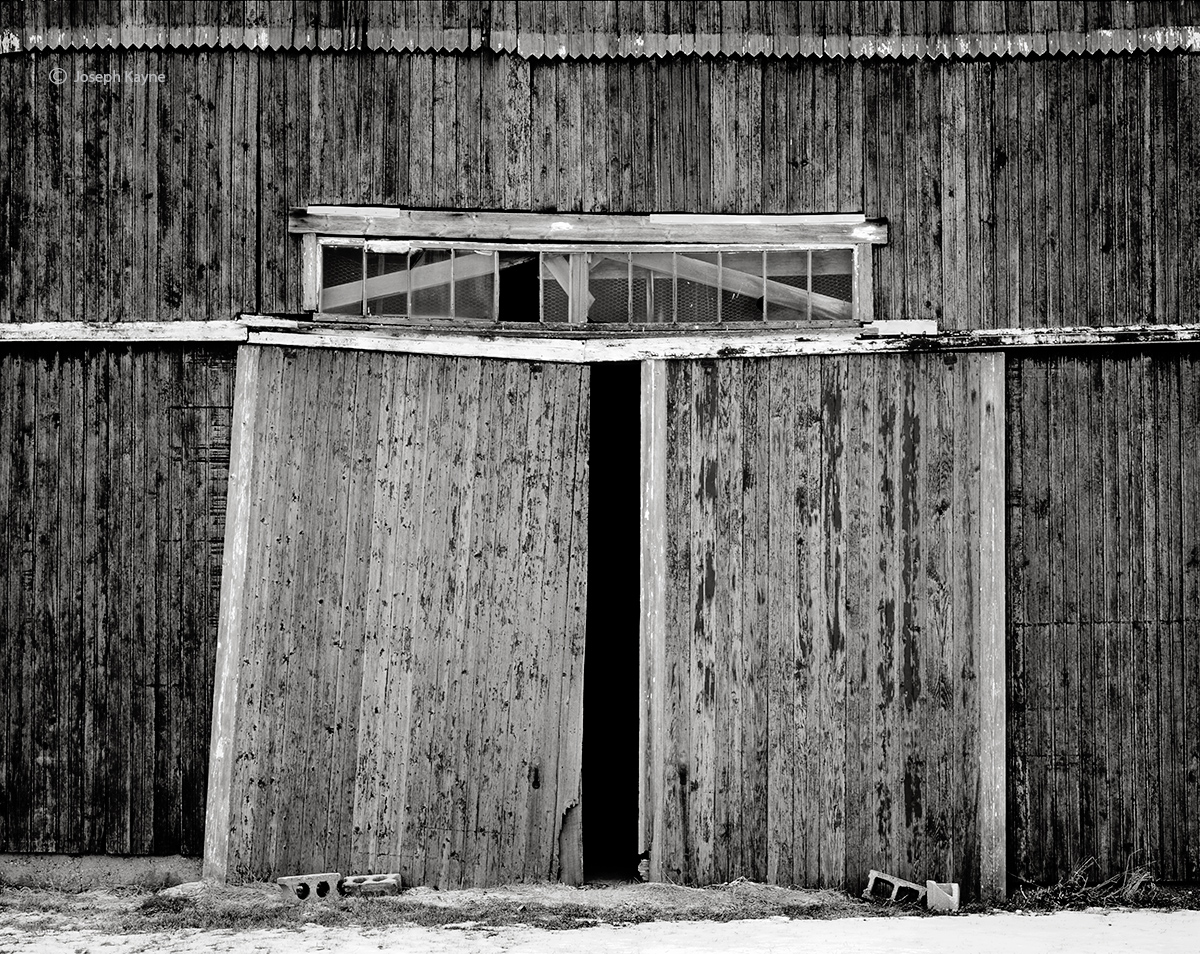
x: 813, y: 272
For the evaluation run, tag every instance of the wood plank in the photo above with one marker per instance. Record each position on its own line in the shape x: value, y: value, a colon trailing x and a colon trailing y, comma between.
x: 527, y: 847
x: 286, y: 455
x: 992, y: 675
x: 756, y: 416
x: 1107, y: 434
x: 846, y: 228
x: 542, y: 827
x: 456, y: 701
x: 118, y: 630
x: 626, y: 347
x: 907, y: 760
x: 570, y: 869
x: 356, y: 593
x: 955, y: 249
x: 430, y: 652
x: 370, y: 742
x: 964, y: 406
x: 508, y: 500
x: 782, y: 587
x: 71, y: 682
x: 421, y: 140
x: 1057, y: 648
x: 1171, y: 730
x: 253, y: 755
x: 672, y: 847
x: 481, y: 548
x: 883, y: 777
x: 103, y: 332
x: 230, y: 635
x: 19, y: 622
x: 652, y: 741
x: 846, y: 502
x: 704, y: 469
x: 141, y: 792
x: 396, y: 805
x: 41, y: 662
x: 728, y: 707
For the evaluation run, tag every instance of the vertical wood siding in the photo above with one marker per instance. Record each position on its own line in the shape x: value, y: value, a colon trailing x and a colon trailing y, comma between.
x: 409, y: 656
x: 821, y: 689
x: 112, y: 497
x: 1019, y: 192
x: 1104, y: 609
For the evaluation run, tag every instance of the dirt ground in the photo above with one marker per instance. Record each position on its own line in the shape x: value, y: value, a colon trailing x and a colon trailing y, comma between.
x: 551, y: 918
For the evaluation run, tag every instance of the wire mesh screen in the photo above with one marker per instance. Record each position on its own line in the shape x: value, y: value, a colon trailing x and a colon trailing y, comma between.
x: 555, y: 277
x: 342, y: 269
x: 833, y: 274
x: 474, y: 275
x: 608, y: 282
x: 387, y: 284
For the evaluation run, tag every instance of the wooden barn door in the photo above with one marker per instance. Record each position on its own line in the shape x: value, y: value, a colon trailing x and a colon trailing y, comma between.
x: 1104, y: 603
x: 400, y: 672
x: 823, y: 619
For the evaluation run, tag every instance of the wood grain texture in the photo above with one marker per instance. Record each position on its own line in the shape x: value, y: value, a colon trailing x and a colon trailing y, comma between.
x: 114, y: 477
x: 1099, y: 617
x: 860, y: 550
x: 409, y: 693
x: 987, y: 202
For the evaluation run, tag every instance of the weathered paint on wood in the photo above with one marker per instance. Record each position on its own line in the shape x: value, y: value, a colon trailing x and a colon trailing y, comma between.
x: 1103, y: 603
x: 112, y: 494
x: 825, y: 601
x: 402, y: 650
x: 1073, y: 209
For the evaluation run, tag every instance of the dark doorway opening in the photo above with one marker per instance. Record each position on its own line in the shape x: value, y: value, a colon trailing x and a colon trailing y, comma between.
x: 610, y: 682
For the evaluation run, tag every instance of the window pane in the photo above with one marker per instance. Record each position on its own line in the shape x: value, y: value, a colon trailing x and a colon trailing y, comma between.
x: 608, y: 282
x: 697, y: 296
x: 833, y: 283
x: 429, y: 280
x: 555, y: 281
x: 519, y: 286
x: 742, y: 286
x: 341, y: 280
x: 474, y: 283
x: 387, y: 284
x: 787, y: 286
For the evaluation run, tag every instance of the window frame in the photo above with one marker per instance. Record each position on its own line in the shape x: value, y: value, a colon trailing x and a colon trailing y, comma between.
x: 387, y: 230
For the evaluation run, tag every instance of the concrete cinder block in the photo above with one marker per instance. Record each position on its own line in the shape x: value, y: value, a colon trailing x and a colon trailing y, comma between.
x: 312, y: 885
x: 886, y: 887
x: 372, y: 884
x: 941, y: 896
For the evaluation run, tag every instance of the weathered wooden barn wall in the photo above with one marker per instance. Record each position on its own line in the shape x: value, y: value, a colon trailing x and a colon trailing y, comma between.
x: 406, y: 605
x: 821, y: 707
x: 1104, y: 608
x: 1020, y: 192
x: 112, y: 500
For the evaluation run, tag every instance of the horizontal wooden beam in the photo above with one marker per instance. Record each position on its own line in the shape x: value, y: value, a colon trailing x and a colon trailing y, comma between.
x: 591, y: 346
x: 372, y: 221
x: 134, y: 332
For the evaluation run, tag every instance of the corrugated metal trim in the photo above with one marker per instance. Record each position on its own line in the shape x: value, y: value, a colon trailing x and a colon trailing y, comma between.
x: 360, y: 35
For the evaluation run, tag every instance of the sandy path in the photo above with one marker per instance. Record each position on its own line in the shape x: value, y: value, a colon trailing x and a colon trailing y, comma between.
x: 1068, y: 932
